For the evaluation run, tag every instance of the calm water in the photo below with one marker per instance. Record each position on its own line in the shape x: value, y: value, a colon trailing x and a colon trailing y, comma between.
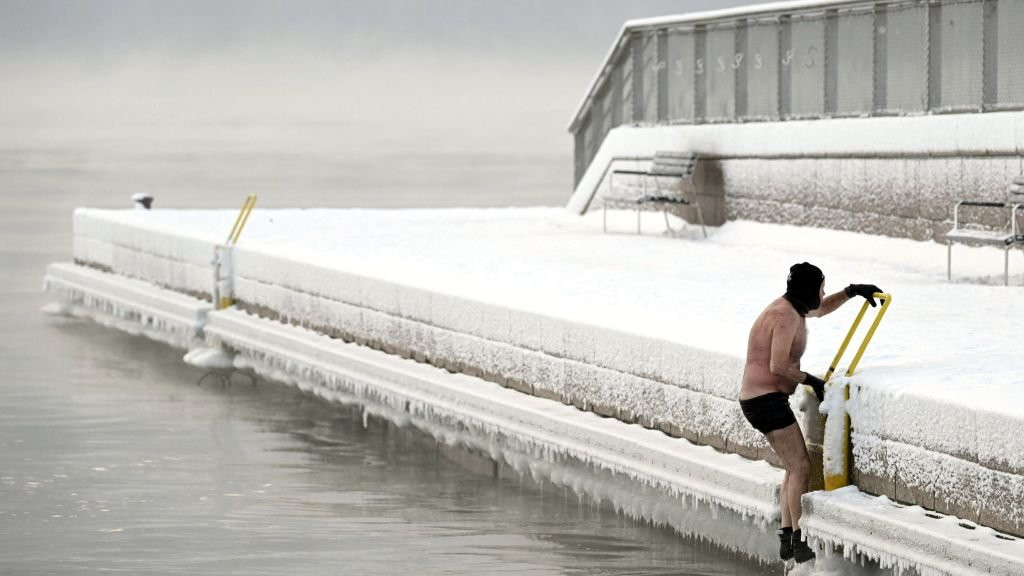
x: 112, y: 458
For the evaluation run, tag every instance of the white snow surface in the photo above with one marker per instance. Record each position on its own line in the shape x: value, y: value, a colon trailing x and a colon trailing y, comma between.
x: 940, y: 384
x: 958, y: 341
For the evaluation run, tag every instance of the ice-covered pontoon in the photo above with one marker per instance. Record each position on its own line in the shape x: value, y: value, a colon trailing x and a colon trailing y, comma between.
x: 550, y: 324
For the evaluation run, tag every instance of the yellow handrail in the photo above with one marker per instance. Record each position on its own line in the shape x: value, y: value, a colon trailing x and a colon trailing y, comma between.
x: 834, y: 481
x: 222, y: 285
x: 243, y: 217
x: 846, y: 342
x: 885, y: 299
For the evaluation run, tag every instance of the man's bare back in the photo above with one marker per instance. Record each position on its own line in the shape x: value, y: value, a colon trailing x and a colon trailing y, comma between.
x: 778, y: 340
x: 781, y: 320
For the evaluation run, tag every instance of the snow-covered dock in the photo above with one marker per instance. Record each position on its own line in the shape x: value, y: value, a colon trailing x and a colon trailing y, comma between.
x: 649, y: 330
x: 902, y: 536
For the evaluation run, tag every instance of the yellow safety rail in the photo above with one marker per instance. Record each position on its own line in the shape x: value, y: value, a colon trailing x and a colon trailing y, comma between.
x: 225, y: 301
x: 834, y: 481
x: 243, y: 217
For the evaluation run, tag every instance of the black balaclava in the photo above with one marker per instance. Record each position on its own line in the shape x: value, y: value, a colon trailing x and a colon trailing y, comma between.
x: 803, y: 287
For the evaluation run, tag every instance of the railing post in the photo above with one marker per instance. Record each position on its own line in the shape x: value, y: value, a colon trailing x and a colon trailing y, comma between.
x: 740, y: 65
x: 934, y: 52
x: 223, y: 277
x: 990, y: 55
x: 881, y: 62
x: 831, y: 62
x: 700, y: 70
x: 662, y: 74
x: 786, y: 57
x: 223, y: 260
x: 636, y: 41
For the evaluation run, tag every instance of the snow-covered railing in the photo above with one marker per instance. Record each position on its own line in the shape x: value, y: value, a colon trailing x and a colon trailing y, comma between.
x: 805, y: 60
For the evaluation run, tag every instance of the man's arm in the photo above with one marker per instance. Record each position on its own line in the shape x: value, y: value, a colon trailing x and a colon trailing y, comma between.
x: 829, y: 304
x: 833, y: 301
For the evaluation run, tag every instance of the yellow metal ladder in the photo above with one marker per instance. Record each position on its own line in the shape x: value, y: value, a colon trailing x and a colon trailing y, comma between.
x: 222, y: 292
x: 840, y: 479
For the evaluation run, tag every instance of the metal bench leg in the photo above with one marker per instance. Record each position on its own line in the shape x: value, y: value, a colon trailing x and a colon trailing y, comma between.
x: 638, y: 210
x: 1006, y: 266
x: 700, y: 215
x: 949, y: 260
x: 664, y: 212
x: 605, y: 216
x: 696, y: 203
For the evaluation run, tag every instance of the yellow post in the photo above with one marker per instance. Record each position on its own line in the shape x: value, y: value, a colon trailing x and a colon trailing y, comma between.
x: 225, y: 301
x: 838, y: 480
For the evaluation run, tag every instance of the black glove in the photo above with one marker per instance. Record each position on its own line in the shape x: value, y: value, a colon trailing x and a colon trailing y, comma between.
x: 865, y: 290
x: 817, y: 384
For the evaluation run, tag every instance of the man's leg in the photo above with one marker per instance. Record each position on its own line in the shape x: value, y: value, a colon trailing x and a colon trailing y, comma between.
x: 788, y: 444
x: 785, y: 532
x: 787, y: 516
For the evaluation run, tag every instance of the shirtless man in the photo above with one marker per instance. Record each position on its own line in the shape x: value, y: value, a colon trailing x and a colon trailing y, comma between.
x: 776, y: 344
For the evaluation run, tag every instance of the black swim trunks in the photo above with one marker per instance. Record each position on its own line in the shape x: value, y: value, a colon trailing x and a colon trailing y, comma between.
x: 768, y: 412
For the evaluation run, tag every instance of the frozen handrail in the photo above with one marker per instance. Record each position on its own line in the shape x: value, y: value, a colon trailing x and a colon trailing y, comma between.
x: 243, y: 217
x: 223, y: 289
x: 834, y: 480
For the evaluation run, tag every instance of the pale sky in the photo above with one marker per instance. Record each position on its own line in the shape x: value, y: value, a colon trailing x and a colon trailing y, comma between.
x: 107, y: 28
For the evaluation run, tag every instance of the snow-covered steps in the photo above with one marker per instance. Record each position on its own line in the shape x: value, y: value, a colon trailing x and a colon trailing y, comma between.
x: 908, y: 536
x: 529, y: 424
x: 131, y: 305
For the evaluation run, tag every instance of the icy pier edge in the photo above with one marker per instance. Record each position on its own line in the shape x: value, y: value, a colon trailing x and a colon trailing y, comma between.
x: 691, y: 481
x: 899, y: 536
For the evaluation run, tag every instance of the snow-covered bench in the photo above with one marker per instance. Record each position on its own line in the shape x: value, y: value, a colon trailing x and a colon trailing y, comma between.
x: 1011, y: 235
x: 665, y: 164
